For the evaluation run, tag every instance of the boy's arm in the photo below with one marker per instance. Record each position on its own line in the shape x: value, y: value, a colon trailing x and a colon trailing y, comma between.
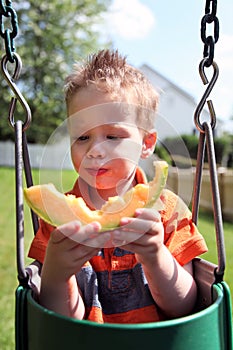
x: 69, y: 247
x: 62, y: 297
x: 172, y: 286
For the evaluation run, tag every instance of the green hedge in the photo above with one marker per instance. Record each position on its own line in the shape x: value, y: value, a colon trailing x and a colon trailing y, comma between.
x: 182, y: 151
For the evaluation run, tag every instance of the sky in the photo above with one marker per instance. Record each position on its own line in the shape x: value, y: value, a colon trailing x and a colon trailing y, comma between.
x: 166, y: 36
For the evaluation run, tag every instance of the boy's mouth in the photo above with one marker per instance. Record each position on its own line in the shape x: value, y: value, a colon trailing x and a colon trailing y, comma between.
x: 96, y: 171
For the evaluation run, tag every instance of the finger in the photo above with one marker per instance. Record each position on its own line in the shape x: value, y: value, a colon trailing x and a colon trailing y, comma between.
x: 147, y: 218
x: 135, y: 224
x: 90, y: 236
x: 85, y: 233
x: 122, y: 238
x: 98, y: 241
x: 74, y: 232
x: 64, y: 231
x: 135, y: 229
x: 85, y: 251
x: 148, y: 214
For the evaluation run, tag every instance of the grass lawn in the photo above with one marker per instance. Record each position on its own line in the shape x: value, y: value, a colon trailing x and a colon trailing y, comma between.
x: 8, y: 274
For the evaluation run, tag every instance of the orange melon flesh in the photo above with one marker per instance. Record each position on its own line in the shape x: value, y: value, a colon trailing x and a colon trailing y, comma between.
x: 57, y: 208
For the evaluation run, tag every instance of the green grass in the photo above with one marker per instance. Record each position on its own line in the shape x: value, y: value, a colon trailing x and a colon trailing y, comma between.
x: 8, y: 274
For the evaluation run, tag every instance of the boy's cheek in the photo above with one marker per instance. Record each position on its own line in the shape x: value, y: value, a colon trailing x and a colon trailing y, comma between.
x: 75, y: 157
x: 128, y: 149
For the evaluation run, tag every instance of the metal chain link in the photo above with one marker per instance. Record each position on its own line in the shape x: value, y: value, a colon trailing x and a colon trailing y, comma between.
x: 6, y: 10
x: 210, y: 40
x: 3, y: 5
x: 8, y: 34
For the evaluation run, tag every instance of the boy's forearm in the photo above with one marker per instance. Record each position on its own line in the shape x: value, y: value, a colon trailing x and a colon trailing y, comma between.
x: 62, y: 297
x: 172, y: 287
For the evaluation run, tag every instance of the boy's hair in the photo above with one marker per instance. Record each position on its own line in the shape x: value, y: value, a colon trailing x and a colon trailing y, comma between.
x: 109, y: 72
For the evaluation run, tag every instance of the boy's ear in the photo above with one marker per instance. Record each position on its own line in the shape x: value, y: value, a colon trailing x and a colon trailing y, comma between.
x: 149, y: 142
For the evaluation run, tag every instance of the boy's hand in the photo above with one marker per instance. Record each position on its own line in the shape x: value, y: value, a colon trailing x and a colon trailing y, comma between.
x: 69, y: 247
x: 143, y: 234
x: 171, y: 285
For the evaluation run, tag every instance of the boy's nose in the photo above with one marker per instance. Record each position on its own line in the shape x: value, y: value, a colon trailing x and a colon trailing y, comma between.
x: 96, y: 151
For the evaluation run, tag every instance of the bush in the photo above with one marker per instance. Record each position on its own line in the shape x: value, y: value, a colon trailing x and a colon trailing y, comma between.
x: 162, y: 153
x: 220, y: 145
x: 182, y: 151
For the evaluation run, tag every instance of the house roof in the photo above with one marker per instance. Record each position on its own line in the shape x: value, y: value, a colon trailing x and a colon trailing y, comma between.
x: 165, y: 82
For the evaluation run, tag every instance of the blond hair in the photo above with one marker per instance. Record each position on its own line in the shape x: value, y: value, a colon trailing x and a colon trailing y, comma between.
x: 109, y: 72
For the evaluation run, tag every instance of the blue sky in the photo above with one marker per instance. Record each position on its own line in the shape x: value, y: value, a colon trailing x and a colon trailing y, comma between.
x: 166, y: 36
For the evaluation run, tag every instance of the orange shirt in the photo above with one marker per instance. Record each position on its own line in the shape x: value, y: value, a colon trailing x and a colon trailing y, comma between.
x: 114, y: 287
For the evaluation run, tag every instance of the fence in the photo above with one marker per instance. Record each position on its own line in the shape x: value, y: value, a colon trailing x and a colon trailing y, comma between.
x: 52, y: 156
x: 180, y: 181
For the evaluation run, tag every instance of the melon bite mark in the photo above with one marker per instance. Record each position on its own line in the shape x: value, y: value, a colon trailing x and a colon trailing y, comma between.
x: 57, y: 208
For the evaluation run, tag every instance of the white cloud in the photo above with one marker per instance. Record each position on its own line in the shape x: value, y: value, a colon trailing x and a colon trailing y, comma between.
x: 130, y: 19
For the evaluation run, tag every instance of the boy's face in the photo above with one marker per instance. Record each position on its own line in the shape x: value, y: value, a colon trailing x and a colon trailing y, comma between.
x: 106, y: 143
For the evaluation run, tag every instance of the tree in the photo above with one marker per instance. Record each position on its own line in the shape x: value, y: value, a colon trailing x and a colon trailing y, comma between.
x: 52, y: 36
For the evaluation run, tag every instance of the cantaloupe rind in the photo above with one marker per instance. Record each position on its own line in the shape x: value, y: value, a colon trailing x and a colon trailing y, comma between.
x: 57, y: 208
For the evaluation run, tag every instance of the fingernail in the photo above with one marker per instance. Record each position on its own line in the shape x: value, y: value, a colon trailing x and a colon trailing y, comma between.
x: 125, y: 221
x: 96, y: 226
x: 138, y: 212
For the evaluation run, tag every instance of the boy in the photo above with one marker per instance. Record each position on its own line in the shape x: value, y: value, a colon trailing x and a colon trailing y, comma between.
x: 141, y: 271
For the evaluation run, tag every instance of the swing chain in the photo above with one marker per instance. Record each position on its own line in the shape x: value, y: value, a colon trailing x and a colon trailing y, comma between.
x: 206, y: 136
x: 22, y: 161
x: 207, y: 61
x: 210, y: 40
x: 7, y: 34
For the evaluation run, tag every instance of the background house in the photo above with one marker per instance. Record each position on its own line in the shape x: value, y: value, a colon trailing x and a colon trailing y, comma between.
x: 176, y: 109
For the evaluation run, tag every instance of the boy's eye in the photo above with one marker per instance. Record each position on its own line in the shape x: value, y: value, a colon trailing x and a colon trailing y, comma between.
x: 113, y: 137
x: 83, y: 138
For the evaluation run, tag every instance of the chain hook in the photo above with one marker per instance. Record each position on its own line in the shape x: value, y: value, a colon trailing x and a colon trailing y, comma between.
x: 206, y: 94
x: 18, y: 96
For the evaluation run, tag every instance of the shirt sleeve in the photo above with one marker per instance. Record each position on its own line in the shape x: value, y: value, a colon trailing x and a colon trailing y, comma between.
x: 38, y: 247
x: 181, y: 236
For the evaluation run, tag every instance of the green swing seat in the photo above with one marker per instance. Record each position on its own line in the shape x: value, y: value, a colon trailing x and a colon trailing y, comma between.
x: 209, y: 327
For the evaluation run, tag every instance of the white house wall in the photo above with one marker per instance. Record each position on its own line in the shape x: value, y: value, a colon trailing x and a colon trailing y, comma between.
x: 176, y: 108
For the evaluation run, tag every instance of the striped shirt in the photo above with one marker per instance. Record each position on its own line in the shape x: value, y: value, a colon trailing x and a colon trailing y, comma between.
x: 113, y: 284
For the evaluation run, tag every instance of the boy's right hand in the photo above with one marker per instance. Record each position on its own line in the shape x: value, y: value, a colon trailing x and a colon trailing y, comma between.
x: 69, y: 247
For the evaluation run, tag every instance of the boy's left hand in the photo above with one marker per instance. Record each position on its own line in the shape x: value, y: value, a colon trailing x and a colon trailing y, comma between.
x: 142, y: 234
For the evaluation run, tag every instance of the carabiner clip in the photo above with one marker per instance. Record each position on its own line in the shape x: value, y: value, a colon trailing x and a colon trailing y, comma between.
x: 206, y: 94
x: 18, y: 96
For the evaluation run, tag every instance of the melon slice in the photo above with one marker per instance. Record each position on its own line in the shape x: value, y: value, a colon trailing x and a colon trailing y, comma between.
x: 57, y: 208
